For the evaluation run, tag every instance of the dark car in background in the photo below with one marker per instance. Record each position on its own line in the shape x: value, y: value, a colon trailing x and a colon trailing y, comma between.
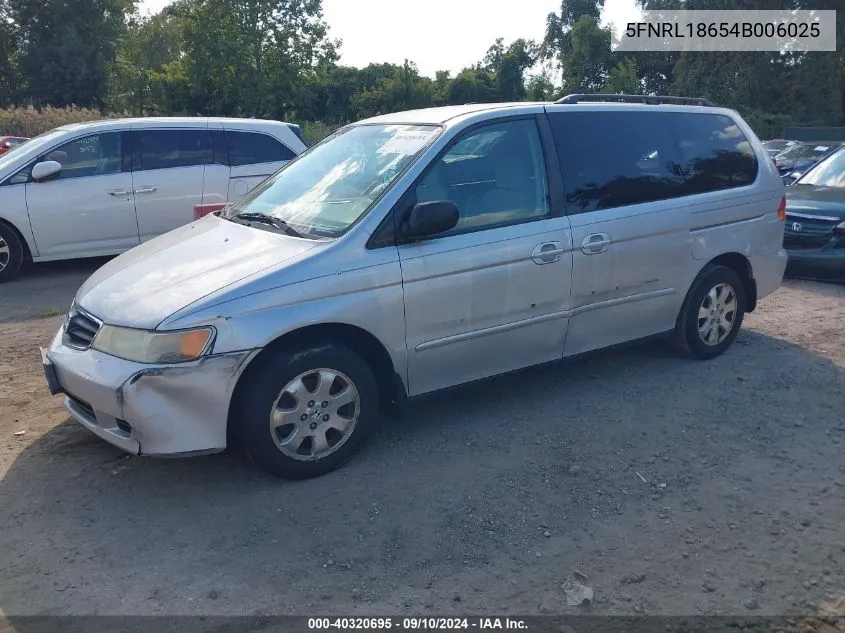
x: 796, y: 159
x: 814, y: 235
x: 8, y: 143
x: 776, y: 146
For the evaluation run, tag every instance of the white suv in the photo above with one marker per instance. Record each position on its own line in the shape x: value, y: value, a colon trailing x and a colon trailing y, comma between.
x: 101, y: 188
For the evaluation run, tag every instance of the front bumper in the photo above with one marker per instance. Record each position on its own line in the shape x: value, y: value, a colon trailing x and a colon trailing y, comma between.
x: 821, y: 263
x: 149, y: 409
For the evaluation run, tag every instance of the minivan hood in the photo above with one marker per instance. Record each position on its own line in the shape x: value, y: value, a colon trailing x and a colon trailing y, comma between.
x: 145, y: 285
x: 814, y: 198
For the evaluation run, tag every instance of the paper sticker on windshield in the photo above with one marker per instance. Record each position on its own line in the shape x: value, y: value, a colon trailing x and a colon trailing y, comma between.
x: 821, y: 148
x: 406, y: 143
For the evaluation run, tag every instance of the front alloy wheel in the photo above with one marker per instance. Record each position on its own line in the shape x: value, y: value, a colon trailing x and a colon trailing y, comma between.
x: 315, y: 414
x: 302, y: 411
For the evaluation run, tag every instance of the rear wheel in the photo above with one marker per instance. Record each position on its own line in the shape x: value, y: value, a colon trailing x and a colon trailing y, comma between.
x: 712, y: 314
x: 303, y: 413
x: 11, y: 253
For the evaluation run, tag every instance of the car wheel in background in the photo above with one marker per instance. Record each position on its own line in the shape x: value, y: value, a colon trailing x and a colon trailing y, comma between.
x: 712, y: 313
x: 302, y: 413
x: 11, y: 253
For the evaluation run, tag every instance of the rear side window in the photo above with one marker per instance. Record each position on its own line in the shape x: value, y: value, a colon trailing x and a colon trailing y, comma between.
x: 614, y: 159
x: 164, y: 149
x: 715, y: 153
x: 247, y: 148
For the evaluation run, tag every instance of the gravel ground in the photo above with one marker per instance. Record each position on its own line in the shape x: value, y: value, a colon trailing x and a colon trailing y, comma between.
x: 668, y: 486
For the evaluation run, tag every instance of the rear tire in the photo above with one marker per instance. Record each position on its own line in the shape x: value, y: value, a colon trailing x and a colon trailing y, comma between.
x: 712, y: 313
x: 302, y: 413
x: 11, y: 253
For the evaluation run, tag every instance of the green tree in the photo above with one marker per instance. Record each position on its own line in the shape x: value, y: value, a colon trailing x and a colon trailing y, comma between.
x: 540, y: 87
x: 66, y: 47
x: 579, y: 46
x: 403, y: 89
x: 8, y: 57
x: 623, y: 79
x: 473, y: 85
x: 148, y: 75
x: 246, y: 57
x: 508, y: 67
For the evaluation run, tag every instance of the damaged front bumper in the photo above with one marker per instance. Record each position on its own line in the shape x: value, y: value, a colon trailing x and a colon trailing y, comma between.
x: 148, y: 409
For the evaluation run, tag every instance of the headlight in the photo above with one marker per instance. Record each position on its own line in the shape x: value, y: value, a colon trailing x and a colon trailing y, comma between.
x: 839, y: 229
x: 143, y: 346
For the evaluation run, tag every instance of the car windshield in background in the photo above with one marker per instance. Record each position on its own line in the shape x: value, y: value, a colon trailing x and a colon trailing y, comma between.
x: 776, y: 146
x: 332, y: 185
x: 804, y: 152
x: 829, y: 173
x: 30, y: 147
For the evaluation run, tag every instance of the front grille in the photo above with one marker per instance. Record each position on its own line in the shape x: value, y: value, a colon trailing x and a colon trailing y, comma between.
x: 80, y: 329
x: 802, y: 232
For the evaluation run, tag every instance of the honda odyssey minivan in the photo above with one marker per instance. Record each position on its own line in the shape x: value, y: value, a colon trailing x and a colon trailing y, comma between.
x: 100, y: 188
x: 416, y: 251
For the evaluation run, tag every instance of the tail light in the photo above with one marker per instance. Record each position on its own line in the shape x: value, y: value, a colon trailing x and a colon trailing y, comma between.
x: 782, y: 209
x: 202, y: 210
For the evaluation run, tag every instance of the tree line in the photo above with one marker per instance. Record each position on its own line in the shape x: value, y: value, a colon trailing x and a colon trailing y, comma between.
x: 276, y: 59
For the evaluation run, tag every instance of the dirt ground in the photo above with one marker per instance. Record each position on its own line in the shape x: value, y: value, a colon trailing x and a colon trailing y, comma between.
x: 675, y: 487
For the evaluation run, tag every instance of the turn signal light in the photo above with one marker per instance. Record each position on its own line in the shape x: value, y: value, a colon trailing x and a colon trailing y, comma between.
x: 193, y: 343
x: 782, y: 209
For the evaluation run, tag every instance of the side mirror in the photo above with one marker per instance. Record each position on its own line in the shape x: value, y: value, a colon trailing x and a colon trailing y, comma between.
x: 430, y: 218
x: 45, y: 170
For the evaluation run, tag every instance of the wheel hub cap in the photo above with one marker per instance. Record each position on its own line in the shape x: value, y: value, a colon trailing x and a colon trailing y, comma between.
x: 315, y: 414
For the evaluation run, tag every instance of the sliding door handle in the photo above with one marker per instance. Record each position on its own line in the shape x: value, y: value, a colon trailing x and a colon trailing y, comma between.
x: 595, y: 243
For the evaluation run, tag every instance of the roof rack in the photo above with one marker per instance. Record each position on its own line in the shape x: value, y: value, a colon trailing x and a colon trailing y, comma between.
x: 649, y: 99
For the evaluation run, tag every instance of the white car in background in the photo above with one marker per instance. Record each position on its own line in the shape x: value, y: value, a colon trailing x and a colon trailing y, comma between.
x: 100, y: 188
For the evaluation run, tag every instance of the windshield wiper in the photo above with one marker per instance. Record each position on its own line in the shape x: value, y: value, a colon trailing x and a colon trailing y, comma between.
x: 263, y: 218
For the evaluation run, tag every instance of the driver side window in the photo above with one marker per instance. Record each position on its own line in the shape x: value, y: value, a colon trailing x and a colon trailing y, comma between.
x: 93, y: 155
x: 495, y: 175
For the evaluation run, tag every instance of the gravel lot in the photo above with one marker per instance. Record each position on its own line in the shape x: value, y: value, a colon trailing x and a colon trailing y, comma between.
x: 673, y: 486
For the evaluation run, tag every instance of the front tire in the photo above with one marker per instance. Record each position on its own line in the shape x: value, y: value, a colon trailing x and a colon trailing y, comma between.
x: 11, y: 253
x: 712, y: 313
x: 302, y: 413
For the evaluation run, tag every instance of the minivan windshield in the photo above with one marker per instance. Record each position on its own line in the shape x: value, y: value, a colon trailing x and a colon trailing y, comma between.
x: 828, y: 173
x: 328, y: 188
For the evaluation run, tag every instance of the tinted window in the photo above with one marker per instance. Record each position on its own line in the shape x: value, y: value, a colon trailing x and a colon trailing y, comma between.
x: 247, y: 148
x: 163, y: 149
x: 496, y: 175
x: 715, y: 153
x: 613, y: 159
x: 94, y: 155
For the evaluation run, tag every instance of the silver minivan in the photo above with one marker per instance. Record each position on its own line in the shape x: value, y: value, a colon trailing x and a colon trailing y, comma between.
x: 416, y: 251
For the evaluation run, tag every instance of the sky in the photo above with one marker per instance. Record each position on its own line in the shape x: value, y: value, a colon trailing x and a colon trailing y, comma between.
x: 436, y: 34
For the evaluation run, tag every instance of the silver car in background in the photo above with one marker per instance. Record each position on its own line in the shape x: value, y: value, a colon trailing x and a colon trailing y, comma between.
x: 417, y: 251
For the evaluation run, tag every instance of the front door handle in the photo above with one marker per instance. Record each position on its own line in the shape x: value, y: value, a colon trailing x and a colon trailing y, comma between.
x: 547, y: 253
x: 595, y: 243
x: 121, y: 192
x: 146, y: 189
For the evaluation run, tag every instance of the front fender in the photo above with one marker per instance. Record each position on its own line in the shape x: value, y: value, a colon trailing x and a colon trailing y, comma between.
x: 369, y: 297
